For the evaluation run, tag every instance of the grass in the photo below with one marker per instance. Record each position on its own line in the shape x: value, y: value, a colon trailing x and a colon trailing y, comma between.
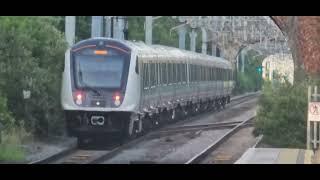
x: 10, y: 148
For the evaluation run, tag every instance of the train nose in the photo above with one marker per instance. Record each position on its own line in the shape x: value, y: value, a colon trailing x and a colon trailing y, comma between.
x: 97, y: 120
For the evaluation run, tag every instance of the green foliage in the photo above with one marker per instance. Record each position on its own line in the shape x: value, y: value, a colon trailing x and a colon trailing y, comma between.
x: 281, y: 116
x: 161, y: 30
x: 32, y: 56
x: 10, y: 148
x: 251, y: 79
x: 246, y: 83
x: 6, y: 119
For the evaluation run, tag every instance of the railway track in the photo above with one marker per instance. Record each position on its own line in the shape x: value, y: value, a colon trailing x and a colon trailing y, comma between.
x: 77, y: 156
x: 203, y: 154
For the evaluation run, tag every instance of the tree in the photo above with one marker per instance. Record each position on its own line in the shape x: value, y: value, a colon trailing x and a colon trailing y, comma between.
x: 32, y: 55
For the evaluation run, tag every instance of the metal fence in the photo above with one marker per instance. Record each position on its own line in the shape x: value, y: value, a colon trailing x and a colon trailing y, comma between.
x: 313, y: 134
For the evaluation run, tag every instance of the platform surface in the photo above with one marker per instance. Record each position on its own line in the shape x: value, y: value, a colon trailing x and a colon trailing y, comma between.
x: 275, y: 156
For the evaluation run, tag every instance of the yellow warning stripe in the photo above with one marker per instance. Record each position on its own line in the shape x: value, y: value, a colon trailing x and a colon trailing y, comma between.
x: 288, y: 156
x: 308, y: 156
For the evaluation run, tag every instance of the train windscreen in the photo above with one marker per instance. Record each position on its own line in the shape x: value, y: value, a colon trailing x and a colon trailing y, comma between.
x: 99, y: 71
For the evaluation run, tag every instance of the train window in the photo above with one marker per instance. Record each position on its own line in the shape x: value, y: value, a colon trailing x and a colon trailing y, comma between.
x: 137, y: 66
x: 222, y: 74
x: 200, y: 68
x: 172, y: 73
x: 164, y: 73
x: 152, y: 74
x: 191, y: 73
x: 225, y: 74
x: 145, y: 75
x: 175, y: 73
x: 203, y: 74
x: 181, y: 72
x: 169, y: 73
x: 198, y: 73
x: 184, y: 76
x: 160, y: 74
x: 157, y: 73
x: 207, y: 73
x: 212, y: 74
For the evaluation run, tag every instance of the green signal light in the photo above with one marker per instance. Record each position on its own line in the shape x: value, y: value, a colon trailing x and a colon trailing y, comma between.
x: 259, y: 69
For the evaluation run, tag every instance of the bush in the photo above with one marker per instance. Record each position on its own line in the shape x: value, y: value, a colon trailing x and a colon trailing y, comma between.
x: 11, y: 135
x: 11, y: 149
x: 6, y: 119
x: 246, y: 83
x: 281, y: 115
x: 32, y: 56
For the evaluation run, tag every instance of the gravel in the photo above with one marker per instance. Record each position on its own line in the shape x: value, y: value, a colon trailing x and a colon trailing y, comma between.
x: 181, y: 147
x: 39, y: 150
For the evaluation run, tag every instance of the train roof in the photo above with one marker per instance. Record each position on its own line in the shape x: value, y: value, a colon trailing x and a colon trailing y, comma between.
x: 164, y: 53
x: 160, y: 52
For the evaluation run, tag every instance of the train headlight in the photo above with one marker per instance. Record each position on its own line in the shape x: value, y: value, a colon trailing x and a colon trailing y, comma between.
x: 79, y: 97
x: 117, y: 99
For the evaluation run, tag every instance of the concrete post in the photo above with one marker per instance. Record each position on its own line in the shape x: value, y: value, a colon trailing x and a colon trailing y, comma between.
x: 108, y: 26
x: 70, y: 25
x: 245, y: 31
x: 214, y: 48
x: 204, y: 41
x: 193, y: 36
x: 96, y: 26
x: 119, y: 26
x: 182, y: 37
x: 148, y: 30
x: 238, y: 62
x: 271, y: 71
x: 242, y: 60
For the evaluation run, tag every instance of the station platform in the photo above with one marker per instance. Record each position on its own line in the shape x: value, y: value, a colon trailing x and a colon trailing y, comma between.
x: 276, y: 156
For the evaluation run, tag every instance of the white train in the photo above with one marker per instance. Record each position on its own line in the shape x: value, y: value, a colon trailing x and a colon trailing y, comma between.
x: 129, y: 87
